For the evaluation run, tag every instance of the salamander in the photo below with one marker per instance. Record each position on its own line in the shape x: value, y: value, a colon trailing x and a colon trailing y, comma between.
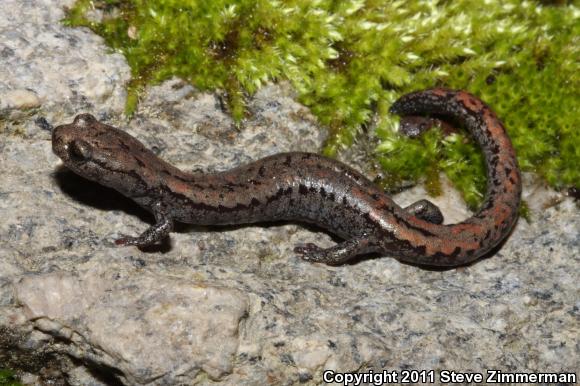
x: 310, y: 188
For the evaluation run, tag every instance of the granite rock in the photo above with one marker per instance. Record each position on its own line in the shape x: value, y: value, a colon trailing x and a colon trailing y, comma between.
x: 112, y: 315
x: 233, y: 305
x: 51, y: 70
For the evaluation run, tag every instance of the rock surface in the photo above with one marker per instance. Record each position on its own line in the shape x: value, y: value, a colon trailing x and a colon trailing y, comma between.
x: 231, y: 305
x: 114, y: 316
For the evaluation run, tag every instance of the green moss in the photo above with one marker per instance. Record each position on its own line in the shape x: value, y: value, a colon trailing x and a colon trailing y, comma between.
x: 8, y: 378
x: 349, y: 60
x: 421, y: 156
x: 525, y: 212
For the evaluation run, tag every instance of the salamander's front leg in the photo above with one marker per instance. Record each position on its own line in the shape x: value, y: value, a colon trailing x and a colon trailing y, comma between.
x: 155, y: 233
x: 338, y: 254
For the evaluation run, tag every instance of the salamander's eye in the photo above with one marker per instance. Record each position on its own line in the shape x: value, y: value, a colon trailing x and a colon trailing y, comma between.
x: 80, y: 150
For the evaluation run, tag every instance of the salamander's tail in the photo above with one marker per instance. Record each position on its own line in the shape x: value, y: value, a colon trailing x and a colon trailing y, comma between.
x: 499, y: 212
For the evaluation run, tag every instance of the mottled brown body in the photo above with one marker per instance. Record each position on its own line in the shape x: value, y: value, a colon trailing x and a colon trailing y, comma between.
x: 309, y: 188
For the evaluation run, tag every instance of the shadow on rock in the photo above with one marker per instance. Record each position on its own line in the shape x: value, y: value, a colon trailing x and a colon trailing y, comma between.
x: 98, y: 196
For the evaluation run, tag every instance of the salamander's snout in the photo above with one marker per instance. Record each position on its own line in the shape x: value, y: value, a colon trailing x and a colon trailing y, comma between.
x: 58, y: 141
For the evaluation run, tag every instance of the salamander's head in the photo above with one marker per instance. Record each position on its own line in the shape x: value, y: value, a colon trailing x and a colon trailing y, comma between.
x: 101, y: 153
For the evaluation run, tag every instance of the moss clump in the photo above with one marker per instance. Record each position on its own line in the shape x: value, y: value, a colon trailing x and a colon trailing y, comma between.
x: 349, y: 60
x: 8, y: 378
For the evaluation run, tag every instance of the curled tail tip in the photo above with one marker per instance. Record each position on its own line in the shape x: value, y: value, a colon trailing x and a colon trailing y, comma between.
x: 395, y: 107
x: 405, y: 103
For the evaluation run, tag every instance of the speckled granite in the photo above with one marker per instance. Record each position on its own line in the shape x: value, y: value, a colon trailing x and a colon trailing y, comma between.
x: 232, y: 305
x: 58, y: 70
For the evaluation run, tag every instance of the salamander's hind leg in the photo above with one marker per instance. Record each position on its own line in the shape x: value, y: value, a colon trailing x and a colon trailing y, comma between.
x: 155, y: 233
x: 426, y: 210
x: 338, y: 254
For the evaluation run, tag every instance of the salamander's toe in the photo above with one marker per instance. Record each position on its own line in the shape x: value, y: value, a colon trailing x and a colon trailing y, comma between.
x: 126, y: 240
x: 308, y: 251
